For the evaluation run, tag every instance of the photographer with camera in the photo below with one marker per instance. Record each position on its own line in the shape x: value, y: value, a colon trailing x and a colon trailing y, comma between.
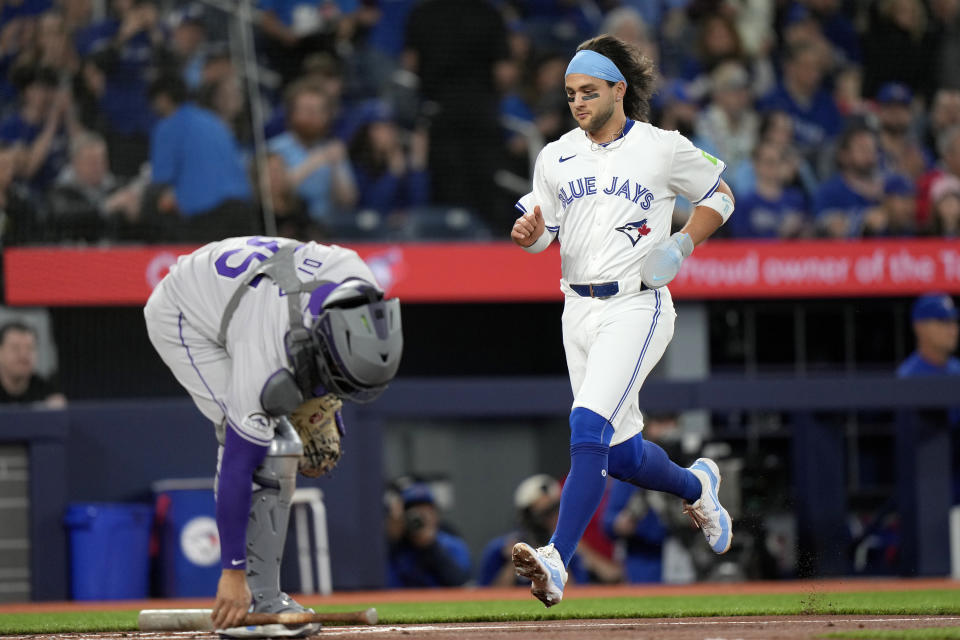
x: 537, y: 500
x: 422, y: 554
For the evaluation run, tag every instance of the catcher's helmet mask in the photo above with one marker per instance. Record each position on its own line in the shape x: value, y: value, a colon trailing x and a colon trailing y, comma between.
x: 355, y: 343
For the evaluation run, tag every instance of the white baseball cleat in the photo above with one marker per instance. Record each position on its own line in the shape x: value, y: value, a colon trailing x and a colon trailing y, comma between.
x: 544, y: 568
x: 707, y: 512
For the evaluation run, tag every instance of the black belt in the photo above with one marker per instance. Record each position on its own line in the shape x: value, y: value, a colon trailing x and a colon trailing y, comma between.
x: 602, y: 290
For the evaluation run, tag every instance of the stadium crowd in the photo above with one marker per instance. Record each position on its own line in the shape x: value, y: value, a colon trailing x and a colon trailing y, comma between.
x: 130, y: 120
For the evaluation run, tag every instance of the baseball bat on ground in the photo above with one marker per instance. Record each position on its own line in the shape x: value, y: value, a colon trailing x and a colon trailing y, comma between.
x: 200, y: 620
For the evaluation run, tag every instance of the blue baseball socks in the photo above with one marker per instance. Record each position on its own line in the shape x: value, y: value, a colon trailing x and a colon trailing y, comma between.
x: 636, y: 461
x: 590, y: 435
x: 647, y: 465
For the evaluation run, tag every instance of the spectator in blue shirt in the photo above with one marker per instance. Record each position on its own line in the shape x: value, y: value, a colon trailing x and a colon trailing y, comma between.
x: 537, y: 501
x: 773, y: 209
x: 317, y: 164
x: 197, y: 167
x: 120, y: 53
x: 841, y: 202
x: 900, y: 149
x: 389, y: 178
x: 897, y: 213
x: 802, y: 95
x: 42, y: 127
x: 423, y: 554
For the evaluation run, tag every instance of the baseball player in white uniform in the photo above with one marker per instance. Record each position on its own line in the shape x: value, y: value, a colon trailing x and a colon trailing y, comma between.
x: 256, y: 329
x: 606, y: 192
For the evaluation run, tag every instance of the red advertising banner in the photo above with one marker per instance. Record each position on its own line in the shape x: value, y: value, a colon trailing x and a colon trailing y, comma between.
x: 500, y: 272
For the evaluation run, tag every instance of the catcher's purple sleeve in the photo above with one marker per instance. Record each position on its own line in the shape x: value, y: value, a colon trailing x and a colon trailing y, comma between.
x: 234, y: 490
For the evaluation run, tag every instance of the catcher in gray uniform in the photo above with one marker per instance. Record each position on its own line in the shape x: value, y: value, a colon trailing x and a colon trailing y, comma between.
x: 269, y: 335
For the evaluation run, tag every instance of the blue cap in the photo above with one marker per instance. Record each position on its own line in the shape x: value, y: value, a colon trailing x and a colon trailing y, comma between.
x: 417, y: 494
x: 898, y: 185
x: 894, y: 93
x: 934, y: 306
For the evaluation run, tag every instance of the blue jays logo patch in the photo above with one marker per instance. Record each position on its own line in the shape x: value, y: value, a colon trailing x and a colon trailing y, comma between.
x: 635, y: 230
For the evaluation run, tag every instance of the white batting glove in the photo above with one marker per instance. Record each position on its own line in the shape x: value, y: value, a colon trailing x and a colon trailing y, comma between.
x: 663, y: 262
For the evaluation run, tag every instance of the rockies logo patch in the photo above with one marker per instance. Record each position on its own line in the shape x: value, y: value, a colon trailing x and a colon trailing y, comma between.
x: 635, y: 231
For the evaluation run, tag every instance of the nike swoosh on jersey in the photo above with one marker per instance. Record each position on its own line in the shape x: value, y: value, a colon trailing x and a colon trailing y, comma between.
x: 236, y: 562
x: 562, y: 159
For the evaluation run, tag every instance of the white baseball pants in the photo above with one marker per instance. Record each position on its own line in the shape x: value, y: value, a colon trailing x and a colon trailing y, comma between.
x: 612, y: 345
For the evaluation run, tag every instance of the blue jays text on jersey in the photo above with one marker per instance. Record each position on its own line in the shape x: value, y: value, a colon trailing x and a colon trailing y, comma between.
x: 619, y: 186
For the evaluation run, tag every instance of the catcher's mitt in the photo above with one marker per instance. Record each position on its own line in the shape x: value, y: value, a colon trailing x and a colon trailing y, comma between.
x: 317, y: 421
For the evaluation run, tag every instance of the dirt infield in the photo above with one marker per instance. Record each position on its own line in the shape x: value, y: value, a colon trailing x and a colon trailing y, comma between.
x: 745, y: 628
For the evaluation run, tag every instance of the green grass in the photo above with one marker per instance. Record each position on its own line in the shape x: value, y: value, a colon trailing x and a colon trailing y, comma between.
x: 11, y: 623
x: 929, y: 602
x: 933, y: 633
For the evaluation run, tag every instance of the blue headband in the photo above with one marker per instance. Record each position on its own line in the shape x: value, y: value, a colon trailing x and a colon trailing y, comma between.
x: 595, y: 64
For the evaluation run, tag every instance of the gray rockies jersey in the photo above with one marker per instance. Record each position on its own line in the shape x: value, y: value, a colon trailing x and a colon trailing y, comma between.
x: 201, y: 284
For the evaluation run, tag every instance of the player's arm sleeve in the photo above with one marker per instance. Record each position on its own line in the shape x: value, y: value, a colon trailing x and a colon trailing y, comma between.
x: 694, y: 173
x: 247, y: 438
x: 234, y: 490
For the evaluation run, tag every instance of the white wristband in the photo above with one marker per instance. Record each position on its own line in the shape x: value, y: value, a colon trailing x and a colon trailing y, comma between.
x: 542, y: 242
x: 719, y: 202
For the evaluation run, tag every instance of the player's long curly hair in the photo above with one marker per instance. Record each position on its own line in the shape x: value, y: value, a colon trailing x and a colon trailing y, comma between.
x: 635, y: 67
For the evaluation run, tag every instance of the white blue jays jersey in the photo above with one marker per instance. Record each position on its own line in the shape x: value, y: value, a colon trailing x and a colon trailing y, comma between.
x: 610, y: 204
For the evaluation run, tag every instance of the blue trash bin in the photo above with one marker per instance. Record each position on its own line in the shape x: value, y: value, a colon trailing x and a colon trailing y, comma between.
x: 109, y: 550
x: 189, y: 542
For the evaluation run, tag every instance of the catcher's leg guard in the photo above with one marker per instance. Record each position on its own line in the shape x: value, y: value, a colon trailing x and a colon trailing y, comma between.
x: 274, y: 483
